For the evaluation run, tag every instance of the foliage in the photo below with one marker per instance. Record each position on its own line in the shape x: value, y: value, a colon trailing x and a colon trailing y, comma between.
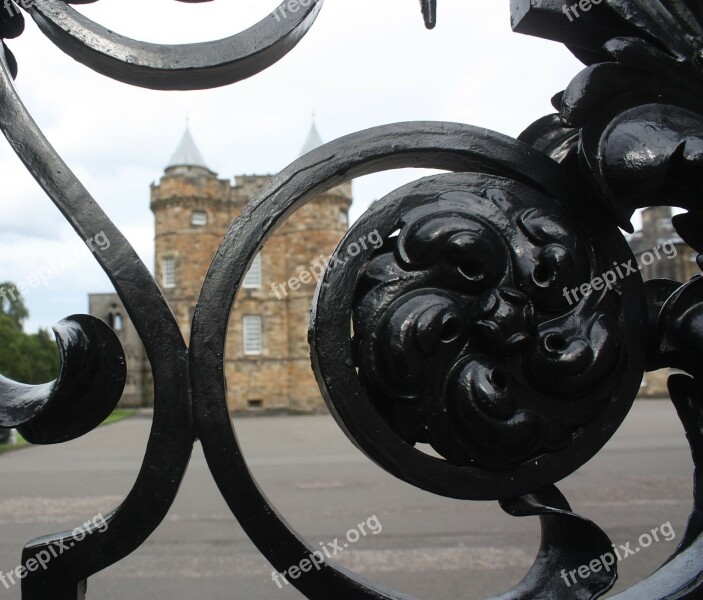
x: 12, y: 304
x: 29, y: 358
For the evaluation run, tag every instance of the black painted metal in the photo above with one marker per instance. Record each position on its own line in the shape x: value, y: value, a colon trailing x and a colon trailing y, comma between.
x: 181, y: 67
x: 462, y: 336
x: 465, y: 340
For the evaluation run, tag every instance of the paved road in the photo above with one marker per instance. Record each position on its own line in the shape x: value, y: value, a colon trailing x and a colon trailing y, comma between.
x: 431, y: 547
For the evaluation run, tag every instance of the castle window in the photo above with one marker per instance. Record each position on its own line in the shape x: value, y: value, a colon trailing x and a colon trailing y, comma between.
x: 114, y: 320
x: 199, y: 218
x: 344, y: 217
x: 253, y: 277
x: 255, y: 404
x: 252, y: 329
x: 169, y: 271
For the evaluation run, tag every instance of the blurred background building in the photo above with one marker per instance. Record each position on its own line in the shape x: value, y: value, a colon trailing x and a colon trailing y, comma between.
x: 680, y: 265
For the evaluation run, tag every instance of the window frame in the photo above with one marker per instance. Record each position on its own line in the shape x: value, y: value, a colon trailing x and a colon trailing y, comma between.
x: 254, y: 278
x: 165, y: 272
x: 246, y: 337
x: 199, y: 212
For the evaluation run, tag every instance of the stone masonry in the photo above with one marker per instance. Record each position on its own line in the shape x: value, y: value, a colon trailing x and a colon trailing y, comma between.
x: 193, y: 210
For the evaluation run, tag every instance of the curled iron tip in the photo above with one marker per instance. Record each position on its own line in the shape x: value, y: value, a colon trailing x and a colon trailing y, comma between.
x: 429, y: 12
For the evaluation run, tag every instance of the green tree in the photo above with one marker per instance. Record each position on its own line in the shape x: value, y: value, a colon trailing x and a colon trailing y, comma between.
x: 29, y: 358
x: 12, y: 304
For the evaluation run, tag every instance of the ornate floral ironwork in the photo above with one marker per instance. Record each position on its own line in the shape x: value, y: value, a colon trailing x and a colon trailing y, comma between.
x: 472, y: 328
x: 467, y: 341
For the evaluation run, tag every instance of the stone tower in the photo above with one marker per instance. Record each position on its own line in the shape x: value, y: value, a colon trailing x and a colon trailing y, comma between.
x: 192, y: 211
x: 267, y: 360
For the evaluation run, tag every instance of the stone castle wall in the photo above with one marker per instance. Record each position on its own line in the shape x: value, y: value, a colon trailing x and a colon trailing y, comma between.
x: 280, y: 377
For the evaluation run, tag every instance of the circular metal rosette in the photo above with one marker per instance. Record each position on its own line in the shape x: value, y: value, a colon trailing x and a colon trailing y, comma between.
x: 175, y: 67
x: 499, y: 327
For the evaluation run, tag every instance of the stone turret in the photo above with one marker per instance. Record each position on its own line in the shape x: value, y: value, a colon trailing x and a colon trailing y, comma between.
x: 267, y: 359
x: 192, y: 211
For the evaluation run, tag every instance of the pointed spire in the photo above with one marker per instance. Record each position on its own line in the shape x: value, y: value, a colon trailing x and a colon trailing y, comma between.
x: 187, y: 153
x: 314, y: 139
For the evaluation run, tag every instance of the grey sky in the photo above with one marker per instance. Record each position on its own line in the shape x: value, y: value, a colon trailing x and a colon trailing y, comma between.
x: 364, y: 63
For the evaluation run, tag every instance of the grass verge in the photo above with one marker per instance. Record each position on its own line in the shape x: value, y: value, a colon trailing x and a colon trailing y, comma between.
x: 115, y: 417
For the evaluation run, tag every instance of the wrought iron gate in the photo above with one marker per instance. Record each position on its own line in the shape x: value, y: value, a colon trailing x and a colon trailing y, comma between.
x: 464, y: 333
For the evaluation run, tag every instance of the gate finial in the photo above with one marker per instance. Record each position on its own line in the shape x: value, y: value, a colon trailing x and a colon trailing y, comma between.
x: 429, y: 11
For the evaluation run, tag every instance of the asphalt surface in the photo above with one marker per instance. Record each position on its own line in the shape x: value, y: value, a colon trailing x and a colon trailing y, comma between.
x: 430, y: 547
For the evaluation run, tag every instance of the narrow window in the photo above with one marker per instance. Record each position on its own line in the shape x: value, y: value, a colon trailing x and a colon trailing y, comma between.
x: 169, y: 271
x: 255, y: 404
x: 252, y: 331
x: 344, y: 217
x: 254, y: 277
x: 117, y: 320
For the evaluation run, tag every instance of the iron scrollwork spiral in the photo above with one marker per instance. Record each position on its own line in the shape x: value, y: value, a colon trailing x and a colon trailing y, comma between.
x: 471, y: 334
x: 495, y: 324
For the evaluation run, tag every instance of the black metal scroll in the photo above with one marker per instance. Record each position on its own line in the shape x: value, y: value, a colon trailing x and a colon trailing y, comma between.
x: 459, y: 318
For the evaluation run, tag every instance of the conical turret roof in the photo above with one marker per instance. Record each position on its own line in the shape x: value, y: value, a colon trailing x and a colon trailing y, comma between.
x: 187, y: 154
x: 314, y: 140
